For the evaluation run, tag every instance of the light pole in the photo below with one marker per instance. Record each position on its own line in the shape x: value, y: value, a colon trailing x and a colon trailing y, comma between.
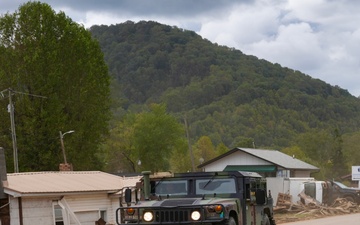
x: 62, y: 142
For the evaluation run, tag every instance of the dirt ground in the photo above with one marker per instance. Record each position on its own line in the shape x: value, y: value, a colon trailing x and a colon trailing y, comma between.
x: 286, y: 211
x: 288, y: 217
x: 293, y: 217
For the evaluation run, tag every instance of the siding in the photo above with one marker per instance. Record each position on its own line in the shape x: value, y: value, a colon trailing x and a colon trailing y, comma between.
x: 237, y: 158
x: 302, y: 173
x: 115, y: 204
x: 35, y: 211
x: 87, y: 208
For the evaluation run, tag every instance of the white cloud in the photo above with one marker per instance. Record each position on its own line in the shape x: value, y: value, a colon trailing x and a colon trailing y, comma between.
x: 245, y: 24
x: 318, y: 37
x: 294, y: 46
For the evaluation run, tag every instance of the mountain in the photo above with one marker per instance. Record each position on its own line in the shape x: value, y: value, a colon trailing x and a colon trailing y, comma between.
x: 223, y: 93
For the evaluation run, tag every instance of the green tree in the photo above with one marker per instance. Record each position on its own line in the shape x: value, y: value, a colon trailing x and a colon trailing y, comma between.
x: 339, y: 165
x: 47, y: 54
x: 152, y: 138
x: 221, y: 149
x: 246, y: 143
x: 180, y: 160
x: 119, y: 149
x: 204, y: 150
x: 352, y: 149
x: 295, y: 152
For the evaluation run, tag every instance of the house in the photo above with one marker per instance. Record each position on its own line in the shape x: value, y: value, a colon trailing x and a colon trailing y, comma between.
x: 62, y: 197
x: 268, y: 163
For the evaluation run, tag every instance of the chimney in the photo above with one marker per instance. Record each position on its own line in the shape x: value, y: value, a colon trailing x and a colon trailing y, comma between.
x: 3, y: 173
x: 65, y: 167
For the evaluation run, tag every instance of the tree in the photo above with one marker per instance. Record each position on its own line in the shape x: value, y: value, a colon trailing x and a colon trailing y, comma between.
x: 47, y: 54
x: 339, y: 165
x: 204, y: 150
x: 120, y: 154
x: 151, y: 137
x: 221, y: 149
x: 246, y: 143
x: 295, y: 152
x: 352, y: 149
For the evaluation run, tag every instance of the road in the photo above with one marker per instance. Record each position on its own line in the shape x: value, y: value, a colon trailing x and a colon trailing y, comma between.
x: 333, y: 220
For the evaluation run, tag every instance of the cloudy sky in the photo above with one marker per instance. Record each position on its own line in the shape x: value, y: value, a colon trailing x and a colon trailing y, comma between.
x: 320, y: 38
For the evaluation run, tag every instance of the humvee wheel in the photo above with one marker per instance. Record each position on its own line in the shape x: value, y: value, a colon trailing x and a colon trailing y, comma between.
x: 230, y: 221
x: 266, y: 220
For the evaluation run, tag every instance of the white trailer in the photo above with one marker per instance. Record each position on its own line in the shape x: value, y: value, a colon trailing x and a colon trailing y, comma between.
x: 292, y: 186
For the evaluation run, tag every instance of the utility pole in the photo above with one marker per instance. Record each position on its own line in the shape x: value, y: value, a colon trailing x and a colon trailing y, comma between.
x: 13, y: 132
x: 12, y: 120
x: 189, y: 144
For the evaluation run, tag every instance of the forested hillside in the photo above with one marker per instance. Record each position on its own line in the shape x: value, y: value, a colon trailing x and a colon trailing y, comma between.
x: 224, y: 94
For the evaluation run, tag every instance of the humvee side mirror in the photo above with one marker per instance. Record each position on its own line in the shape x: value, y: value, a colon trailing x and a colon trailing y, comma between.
x: 127, y: 195
x: 260, y: 197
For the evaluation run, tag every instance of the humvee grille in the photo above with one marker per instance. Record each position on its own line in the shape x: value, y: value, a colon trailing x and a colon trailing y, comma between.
x: 165, y: 216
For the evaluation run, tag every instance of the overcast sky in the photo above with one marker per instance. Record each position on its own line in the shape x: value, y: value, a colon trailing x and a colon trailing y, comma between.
x: 320, y: 38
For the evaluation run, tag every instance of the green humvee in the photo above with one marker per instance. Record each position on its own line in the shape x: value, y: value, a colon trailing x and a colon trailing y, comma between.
x: 217, y: 198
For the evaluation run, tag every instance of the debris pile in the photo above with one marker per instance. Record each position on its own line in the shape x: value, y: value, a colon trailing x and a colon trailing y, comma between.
x: 307, y: 205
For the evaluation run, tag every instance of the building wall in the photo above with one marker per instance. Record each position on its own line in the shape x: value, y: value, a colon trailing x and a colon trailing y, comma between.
x: 85, y: 207
x: 115, y: 204
x: 237, y: 158
x: 301, y: 173
x: 34, y: 211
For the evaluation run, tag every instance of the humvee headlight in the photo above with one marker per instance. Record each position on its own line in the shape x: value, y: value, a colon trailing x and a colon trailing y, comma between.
x: 195, y: 215
x: 130, y: 211
x: 148, y: 216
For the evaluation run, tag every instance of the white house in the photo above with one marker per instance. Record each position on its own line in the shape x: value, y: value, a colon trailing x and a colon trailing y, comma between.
x: 269, y: 163
x: 62, y: 198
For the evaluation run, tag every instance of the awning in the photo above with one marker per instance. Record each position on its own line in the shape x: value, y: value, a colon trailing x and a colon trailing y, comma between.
x: 252, y: 168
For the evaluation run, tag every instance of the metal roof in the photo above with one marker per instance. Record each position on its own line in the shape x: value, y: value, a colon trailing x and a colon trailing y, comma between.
x: 37, y: 183
x: 273, y: 156
x: 279, y: 158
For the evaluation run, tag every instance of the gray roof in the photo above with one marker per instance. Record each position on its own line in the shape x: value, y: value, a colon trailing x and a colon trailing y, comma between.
x: 279, y: 158
x: 273, y: 156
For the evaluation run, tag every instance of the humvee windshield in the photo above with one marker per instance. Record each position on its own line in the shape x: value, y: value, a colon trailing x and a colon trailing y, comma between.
x: 203, y: 186
x: 218, y: 186
x: 171, y: 187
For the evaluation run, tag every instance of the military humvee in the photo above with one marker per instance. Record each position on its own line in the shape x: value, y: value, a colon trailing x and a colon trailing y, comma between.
x: 217, y: 198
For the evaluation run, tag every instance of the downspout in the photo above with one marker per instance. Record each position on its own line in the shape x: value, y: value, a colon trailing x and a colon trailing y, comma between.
x: 20, y: 211
x: 3, y: 174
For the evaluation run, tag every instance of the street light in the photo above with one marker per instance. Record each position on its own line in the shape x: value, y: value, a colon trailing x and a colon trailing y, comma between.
x: 62, y: 142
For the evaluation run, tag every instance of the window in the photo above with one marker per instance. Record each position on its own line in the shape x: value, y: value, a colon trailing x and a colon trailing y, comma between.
x: 103, y: 214
x: 173, y: 187
x: 218, y: 186
x: 58, y: 216
x: 283, y: 173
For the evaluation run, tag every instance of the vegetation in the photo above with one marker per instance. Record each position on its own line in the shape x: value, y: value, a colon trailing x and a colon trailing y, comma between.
x: 176, y: 99
x: 43, y: 53
x: 229, y: 98
x: 145, y: 140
